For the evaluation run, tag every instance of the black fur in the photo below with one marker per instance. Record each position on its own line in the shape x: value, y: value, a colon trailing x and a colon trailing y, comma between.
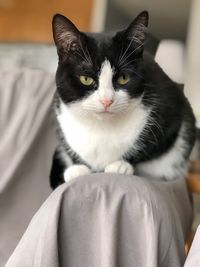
x: 57, y: 170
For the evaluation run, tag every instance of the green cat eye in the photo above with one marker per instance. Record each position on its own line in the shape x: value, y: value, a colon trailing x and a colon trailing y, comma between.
x: 86, y: 80
x: 123, y: 79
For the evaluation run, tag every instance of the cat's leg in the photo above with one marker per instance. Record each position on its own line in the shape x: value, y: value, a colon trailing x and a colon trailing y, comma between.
x: 120, y: 166
x: 57, y: 170
x: 75, y: 171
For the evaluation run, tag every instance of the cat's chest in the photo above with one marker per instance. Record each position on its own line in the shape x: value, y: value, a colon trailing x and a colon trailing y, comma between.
x: 100, y: 144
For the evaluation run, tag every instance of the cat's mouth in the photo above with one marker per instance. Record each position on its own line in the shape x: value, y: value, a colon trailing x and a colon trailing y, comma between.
x: 104, y: 114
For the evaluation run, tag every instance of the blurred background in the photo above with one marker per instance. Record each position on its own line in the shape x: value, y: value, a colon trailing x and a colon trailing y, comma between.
x: 30, y: 20
x: 26, y: 43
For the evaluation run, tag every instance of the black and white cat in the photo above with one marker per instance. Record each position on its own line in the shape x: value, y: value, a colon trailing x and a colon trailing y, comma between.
x: 117, y: 111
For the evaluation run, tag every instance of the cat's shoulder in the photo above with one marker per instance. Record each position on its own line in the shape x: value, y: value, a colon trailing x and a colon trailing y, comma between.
x: 153, y: 72
x: 150, y: 64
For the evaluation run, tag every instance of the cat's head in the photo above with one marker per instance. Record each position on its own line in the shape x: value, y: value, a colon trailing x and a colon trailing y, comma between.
x: 99, y: 75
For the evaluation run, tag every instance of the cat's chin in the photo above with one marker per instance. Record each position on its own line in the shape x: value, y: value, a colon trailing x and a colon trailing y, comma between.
x: 104, y: 115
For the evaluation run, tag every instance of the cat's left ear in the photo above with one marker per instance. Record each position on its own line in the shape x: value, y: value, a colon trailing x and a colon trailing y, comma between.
x: 137, y: 29
x: 66, y: 36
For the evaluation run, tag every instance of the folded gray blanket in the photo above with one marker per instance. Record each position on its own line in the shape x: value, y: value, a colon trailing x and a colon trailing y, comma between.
x: 108, y: 220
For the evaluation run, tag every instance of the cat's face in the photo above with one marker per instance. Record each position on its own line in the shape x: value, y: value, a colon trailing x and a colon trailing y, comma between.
x: 99, y: 75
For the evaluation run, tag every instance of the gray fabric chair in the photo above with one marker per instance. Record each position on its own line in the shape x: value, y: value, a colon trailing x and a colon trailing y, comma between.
x: 108, y: 220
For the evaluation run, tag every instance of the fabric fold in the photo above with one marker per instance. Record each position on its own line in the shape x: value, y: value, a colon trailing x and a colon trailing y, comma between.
x: 25, y: 99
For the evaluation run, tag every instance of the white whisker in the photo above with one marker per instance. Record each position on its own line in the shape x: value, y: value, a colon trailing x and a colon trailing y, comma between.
x: 87, y: 57
x: 128, y: 63
x: 81, y: 56
x: 88, y: 54
x: 120, y: 63
x: 125, y: 52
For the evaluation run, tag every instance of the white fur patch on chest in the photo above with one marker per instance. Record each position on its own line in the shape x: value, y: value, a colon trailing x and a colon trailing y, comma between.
x: 101, y: 142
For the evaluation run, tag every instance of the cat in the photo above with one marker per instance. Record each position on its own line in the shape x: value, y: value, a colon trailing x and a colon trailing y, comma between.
x: 117, y: 111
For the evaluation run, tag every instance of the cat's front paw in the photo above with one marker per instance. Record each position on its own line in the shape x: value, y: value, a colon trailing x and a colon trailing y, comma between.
x: 75, y: 171
x: 121, y: 167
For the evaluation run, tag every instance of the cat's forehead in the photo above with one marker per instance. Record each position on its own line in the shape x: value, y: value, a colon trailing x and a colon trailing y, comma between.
x: 101, y: 38
x: 101, y: 47
x: 101, y: 42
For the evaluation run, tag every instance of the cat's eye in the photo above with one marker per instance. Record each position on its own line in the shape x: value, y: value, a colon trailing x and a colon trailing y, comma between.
x: 86, y: 80
x: 123, y: 79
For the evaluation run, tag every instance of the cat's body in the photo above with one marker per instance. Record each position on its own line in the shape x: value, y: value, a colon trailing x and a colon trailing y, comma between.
x: 131, y: 119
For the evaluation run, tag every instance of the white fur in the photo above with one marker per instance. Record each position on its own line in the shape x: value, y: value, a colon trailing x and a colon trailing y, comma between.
x: 75, y: 171
x: 105, y: 89
x: 171, y: 164
x: 102, y: 142
x: 121, y: 167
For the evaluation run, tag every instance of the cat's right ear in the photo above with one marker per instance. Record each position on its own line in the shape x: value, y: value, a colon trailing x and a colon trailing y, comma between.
x: 66, y: 35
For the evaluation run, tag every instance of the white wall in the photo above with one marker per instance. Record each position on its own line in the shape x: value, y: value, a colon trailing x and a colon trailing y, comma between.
x: 192, y: 85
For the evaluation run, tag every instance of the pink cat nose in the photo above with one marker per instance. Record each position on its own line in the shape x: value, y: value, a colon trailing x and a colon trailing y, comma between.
x: 106, y: 102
